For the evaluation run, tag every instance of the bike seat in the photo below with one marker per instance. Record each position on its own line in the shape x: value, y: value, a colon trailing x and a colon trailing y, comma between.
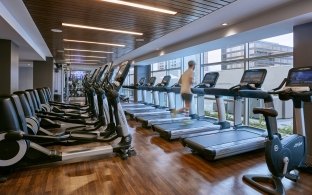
x: 265, y: 111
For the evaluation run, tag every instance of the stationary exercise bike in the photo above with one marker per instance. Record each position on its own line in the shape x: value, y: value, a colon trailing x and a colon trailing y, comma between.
x: 284, y: 156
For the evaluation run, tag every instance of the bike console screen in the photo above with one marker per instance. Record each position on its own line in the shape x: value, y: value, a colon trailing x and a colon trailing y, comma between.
x: 300, y: 77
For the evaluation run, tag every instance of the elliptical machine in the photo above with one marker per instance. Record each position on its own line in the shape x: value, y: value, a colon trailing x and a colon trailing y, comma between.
x: 284, y: 156
x: 20, y: 149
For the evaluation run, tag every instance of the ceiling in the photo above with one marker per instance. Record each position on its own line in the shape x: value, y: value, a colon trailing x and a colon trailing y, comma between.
x: 248, y: 20
x: 50, y: 14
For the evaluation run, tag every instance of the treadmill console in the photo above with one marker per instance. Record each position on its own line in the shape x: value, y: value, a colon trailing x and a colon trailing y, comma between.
x: 165, y: 81
x: 211, y: 78
x: 152, y: 81
x: 141, y: 81
x: 253, y: 77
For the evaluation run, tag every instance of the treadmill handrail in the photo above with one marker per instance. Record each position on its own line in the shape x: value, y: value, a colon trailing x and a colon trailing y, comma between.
x: 221, y: 92
x: 258, y: 94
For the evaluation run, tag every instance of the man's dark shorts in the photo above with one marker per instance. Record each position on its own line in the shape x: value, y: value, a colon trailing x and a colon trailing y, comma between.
x: 187, y: 97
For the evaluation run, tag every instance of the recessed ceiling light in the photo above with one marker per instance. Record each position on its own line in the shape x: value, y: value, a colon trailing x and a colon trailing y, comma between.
x: 139, y: 40
x: 224, y: 24
x: 90, y: 42
x: 85, y: 56
x: 102, y: 29
x: 66, y: 49
x: 142, y: 6
x: 56, y: 30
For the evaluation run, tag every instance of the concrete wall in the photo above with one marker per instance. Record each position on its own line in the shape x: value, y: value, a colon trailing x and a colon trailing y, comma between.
x: 25, y: 78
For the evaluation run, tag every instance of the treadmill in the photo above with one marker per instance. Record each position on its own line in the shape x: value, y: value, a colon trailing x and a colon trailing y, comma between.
x: 157, y: 119
x: 135, y: 87
x: 157, y: 108
x: 241, y: 138
x: 201, y: 124
x: 152, y: 119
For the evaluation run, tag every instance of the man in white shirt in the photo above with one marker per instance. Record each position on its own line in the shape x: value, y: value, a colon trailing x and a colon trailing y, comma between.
x: 187, y: 80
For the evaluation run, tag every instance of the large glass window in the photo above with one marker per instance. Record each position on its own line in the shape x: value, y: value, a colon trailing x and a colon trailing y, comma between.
x: 274, y: 54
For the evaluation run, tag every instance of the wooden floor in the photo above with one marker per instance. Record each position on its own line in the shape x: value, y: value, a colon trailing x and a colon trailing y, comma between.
x: 160, y: 167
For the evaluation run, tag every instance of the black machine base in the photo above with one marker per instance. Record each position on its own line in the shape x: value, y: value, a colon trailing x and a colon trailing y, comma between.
x: 257, y: 181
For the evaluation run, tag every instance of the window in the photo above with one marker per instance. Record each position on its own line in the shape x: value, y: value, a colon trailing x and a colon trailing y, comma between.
x: 275, y: 55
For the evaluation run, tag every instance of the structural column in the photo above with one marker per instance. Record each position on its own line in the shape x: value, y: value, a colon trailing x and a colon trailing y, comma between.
x: 303, y: 57
x: 9, y: 67
x: 43, y: 73
x: 139, y: 72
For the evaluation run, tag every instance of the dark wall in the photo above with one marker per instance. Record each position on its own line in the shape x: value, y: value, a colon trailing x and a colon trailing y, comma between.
x: 43, y: 73
x: 303, y: 45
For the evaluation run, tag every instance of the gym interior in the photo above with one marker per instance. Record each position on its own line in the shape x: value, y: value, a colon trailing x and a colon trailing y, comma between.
x: 90, y: 91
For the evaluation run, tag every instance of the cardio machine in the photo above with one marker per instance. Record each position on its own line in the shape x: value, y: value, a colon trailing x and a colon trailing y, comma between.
x: 240, y: 138
x: 285, y: 156
x: 157, y: 108
x: 160, y: 118
x: 135, y: 87
x: 18, y: 148
x: 143, y: 88
x: 198, y: 124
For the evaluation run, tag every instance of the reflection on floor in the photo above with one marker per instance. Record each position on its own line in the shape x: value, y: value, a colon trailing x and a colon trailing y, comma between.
x: 160, y: 167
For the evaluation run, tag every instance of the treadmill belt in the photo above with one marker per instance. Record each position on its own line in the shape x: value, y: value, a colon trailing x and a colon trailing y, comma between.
x: 143, y: 110
x: 181, y: 125
x: 159, y: 116
x: 222, y: 138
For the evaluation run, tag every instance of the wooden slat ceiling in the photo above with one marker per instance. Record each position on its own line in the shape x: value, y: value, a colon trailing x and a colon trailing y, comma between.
x: 50, y: 14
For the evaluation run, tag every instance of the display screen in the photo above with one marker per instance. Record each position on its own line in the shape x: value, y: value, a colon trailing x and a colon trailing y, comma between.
x: 152, y: 80
x: 254, y: 76
x: 210, y: 78
x: 141, y: 81
x: 101, y: 74
x: 166, y: 79
x: 121, y: 70
x: 300, y: 77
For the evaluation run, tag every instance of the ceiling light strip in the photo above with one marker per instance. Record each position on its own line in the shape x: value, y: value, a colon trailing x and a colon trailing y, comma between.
x: 91, y: 42
x: 85, y: 50
x: 101, y: 29
x: 81, y: 63
x: 136, y: 5
x: 78, y: 60
x: 85, y: 56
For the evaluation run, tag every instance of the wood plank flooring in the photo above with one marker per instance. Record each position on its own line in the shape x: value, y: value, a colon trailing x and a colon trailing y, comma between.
x: 160, y: 167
